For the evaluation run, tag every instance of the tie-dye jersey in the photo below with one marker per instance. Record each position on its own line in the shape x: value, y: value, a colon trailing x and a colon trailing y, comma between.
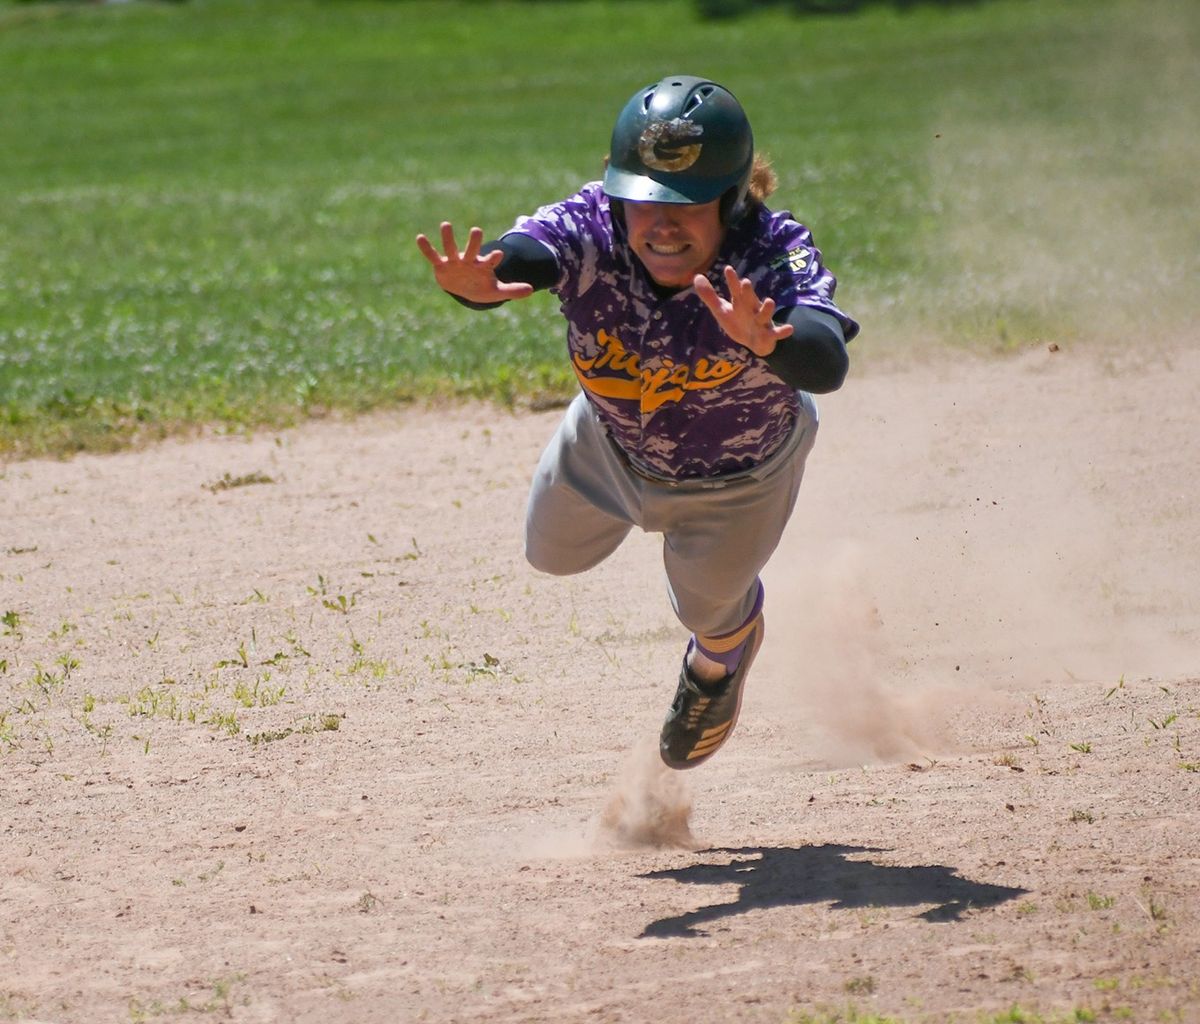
x: 677, y: 394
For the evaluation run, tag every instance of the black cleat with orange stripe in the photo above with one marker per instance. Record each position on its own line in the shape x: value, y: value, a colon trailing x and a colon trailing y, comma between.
x: 703, y: 715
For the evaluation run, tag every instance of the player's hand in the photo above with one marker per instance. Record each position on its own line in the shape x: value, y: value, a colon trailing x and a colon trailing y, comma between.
x: 467, y: 274
x: 743, y: 317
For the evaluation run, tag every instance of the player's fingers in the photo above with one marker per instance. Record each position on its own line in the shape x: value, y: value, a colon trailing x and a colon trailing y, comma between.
x: 449, y: 245
x: 474, y: 241
x: 428, y: 251
x: 708, y: 294
x: 766, y: 311
x: 515, y: 290
x: 781, y: 331
x: 741, y: 291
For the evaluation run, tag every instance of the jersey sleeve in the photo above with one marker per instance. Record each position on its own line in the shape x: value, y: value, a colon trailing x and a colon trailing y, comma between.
x: 575, y: 230
x: 790, y: 270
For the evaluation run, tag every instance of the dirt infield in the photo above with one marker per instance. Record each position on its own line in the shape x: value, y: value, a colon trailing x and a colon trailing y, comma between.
x: 290, y: 733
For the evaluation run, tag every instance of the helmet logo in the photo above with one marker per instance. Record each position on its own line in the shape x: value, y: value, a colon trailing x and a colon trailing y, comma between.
x: 670, y: 145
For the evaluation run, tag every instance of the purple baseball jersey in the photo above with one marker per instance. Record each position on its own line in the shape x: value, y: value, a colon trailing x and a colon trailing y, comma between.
x: 679, y: 396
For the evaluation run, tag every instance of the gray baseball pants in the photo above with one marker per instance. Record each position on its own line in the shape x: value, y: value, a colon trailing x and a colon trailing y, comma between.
x: 585, y: 499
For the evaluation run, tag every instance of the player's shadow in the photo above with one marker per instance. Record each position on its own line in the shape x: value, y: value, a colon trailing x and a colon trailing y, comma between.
x: 780, y: 876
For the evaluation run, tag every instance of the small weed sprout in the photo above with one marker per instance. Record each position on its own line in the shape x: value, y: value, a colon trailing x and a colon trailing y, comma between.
x: 361, y: 663
x: 152, y: 702
x: 225, y: 722
x: 242, y: 660
x: 8, y: 735
x: 1156, y: 908
x: 338, y: 603
x: 260, y: 694
x: 430, y: 631
x: 46, y: 683
x: 1040, y: 715
x: 297, y: 647
x: 486, y: 668
x: 209, y: 875
x: 228, y: 481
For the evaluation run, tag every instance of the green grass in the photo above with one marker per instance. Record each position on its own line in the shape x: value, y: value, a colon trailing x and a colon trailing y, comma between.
x: 208, y: 207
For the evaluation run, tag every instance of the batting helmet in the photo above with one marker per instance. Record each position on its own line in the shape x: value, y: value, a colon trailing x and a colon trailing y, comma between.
x: 682, y: 140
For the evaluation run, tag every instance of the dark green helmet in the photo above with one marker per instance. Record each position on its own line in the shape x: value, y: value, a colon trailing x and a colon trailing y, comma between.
x: 682, y: 140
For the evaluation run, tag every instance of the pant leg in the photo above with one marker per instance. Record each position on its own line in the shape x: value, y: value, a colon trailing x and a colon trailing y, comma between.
x: 582, y: 502
x: 716, y: 542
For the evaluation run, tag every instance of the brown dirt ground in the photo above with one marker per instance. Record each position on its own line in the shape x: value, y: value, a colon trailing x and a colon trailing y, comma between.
x: 324, y: 749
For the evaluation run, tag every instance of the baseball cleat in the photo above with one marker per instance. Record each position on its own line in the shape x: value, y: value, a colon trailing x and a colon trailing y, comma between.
x: 703, y: 715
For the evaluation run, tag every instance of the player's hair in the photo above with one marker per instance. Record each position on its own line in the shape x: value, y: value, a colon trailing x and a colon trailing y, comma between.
x: 763, y: 180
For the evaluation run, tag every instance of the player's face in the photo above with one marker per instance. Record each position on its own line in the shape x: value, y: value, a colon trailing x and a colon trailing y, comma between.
x: 675, y: 242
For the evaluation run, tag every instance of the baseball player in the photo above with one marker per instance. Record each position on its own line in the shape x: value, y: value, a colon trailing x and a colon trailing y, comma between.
x: 699, y: 324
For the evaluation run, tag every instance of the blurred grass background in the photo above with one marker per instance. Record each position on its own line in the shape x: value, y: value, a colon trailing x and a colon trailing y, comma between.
x: 207, y: 208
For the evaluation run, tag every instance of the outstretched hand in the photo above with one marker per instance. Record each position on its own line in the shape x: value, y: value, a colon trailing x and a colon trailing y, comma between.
x: 743, y: 317
x: 467, y: 274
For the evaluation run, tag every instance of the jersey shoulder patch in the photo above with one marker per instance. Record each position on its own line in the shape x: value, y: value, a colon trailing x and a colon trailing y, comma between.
x: 796, y: 260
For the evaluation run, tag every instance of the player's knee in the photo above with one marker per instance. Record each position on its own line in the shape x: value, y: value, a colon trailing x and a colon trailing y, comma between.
x: 537, y: 558
x: 548, y: 559
x: 553, y: 566
x: 560, y: 560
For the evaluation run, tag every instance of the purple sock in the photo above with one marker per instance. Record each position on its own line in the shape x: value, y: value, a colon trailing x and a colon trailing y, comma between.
x: 732, y: 657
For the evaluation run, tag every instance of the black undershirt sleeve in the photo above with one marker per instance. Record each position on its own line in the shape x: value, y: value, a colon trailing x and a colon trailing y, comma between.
x: 814, y: 357
x: 525, y: 260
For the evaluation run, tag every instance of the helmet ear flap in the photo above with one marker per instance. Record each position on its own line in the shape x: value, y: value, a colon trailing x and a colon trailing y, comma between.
x: 733, y: 205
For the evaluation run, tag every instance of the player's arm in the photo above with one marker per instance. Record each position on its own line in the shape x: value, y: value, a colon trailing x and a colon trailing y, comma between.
x: 803, y: 345
x: 523, y: 260
x: 813, y: 357
x: 482, y: 276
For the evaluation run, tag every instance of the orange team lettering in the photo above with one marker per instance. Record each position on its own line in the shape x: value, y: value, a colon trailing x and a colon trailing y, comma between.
x: 653, y: 388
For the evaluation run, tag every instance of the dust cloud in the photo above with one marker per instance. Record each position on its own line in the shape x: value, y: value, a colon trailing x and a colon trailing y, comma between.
x: 647, y: 806
x: 892, y: 643
x: 650, y: 806
x: 830, y: 679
